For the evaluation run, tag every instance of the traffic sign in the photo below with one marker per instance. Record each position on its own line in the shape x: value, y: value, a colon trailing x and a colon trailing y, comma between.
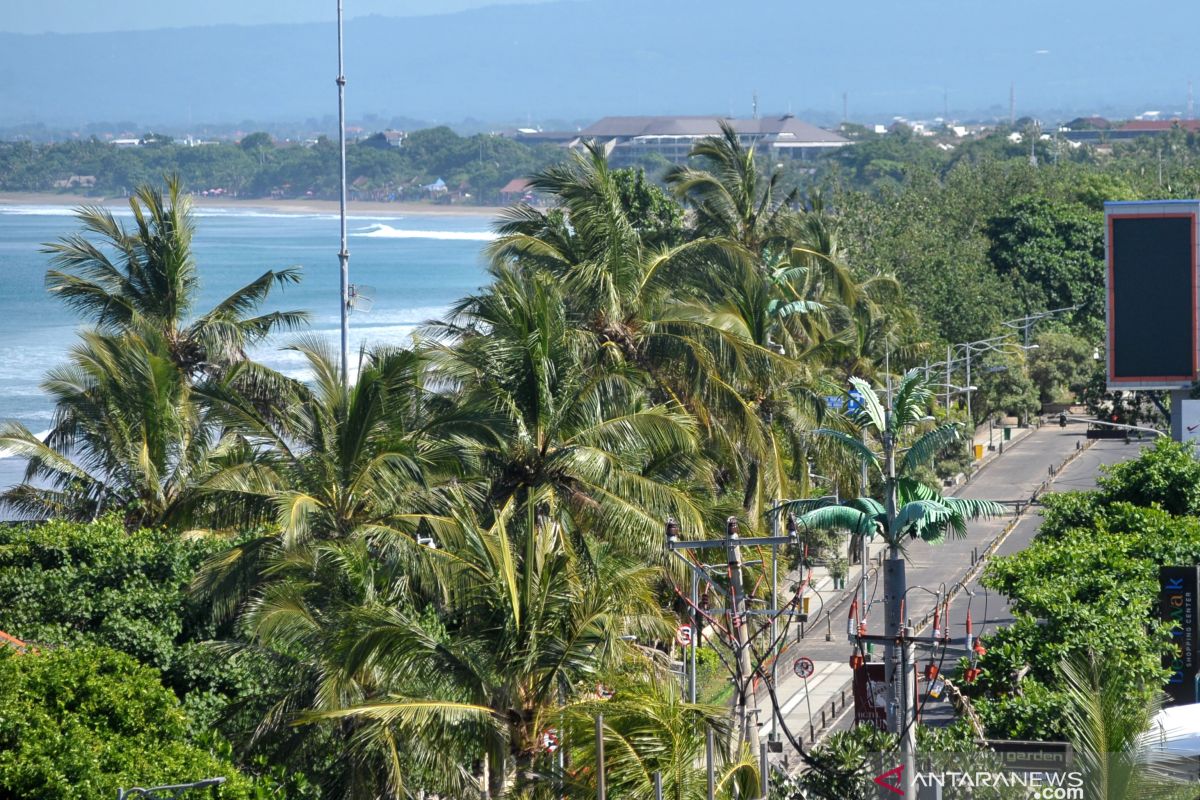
x: 550, y: 740
x: 684, y: 636
x: 855, y: 403
x: 803, y: 667
x: 603, y: 692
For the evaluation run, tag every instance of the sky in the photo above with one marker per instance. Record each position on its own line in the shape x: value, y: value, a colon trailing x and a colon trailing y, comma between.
x: 92, y: 16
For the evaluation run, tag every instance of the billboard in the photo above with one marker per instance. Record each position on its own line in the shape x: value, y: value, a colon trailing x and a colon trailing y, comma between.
x: 1152, y: 308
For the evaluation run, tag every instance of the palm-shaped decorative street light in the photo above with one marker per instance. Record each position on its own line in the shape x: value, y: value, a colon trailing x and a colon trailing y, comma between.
x: 910, y: 509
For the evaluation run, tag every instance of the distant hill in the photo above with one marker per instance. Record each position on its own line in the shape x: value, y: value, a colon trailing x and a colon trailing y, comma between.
x: 587, y: 59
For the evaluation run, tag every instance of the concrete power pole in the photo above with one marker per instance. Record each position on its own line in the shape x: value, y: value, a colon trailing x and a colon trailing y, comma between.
x: 908, y: 730
x: 894, y: 580
x: 746, y: 703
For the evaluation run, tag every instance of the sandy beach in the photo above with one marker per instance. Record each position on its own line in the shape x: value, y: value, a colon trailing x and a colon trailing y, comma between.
x: 264, y: 204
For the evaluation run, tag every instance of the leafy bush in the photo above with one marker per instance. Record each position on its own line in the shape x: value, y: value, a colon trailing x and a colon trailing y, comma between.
x: 1088, y: 585
x: 66, y: 583
x: 1166, y: 476
x: 77, y: 724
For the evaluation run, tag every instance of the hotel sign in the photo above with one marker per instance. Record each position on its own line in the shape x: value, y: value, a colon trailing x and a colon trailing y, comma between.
x: 1178, y: 605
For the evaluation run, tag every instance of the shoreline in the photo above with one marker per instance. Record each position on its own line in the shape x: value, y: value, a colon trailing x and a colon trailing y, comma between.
x: 291, y: 206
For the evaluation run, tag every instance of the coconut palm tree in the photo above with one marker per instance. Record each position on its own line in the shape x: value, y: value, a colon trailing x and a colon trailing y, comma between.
x: 649, y: 728
x: 128, y: 435
x: 1108, y: 728
x: 732, y: 199
x: 525, y: 626
x: 653, y: 307
x: 308, y: 621
x: 324, y: 462
x: 571, y: 433
x: 147, y: 277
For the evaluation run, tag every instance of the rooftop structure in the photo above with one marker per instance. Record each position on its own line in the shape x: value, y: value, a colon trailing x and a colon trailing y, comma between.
x: 628, y: 139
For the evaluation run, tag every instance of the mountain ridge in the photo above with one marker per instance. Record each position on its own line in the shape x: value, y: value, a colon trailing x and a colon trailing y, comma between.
x: 589, y: 58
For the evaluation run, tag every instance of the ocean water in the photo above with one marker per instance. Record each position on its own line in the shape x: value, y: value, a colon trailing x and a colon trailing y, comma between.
x: 414, y: 266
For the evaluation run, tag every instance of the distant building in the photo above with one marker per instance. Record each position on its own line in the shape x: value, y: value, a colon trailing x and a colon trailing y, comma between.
x: 1133, y: 129
x: 385, y: 140
x: 627, y: 139
x: 76, y: 182
x: 515, y: 190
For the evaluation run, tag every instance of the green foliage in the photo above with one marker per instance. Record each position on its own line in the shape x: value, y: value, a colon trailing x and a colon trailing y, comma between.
x: 255, y: 167
x: 1005, y: 387
x: 73, y: 584
x: 78, y: 724
x: 1087, y: 587
x: 1166, y: 476
x: 1061, y: 366
x: 1052, y: 254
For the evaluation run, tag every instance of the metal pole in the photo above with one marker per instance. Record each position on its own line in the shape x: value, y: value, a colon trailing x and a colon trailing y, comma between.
x: 970, y: 419
x: 343, y: 253
x: 894, y: 587
x: 600, y: 789
x: 948, y: 361
x: 695, y: 635
x: 708, y: 758
x: 774, y: 598
x: 764, y: 769
x: 658, y: 793
x: 908, y: 738
x: 862, y: 583
x: 749, y: 730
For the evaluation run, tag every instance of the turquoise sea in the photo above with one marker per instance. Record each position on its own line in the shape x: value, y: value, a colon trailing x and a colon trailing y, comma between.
x: 416, y: 265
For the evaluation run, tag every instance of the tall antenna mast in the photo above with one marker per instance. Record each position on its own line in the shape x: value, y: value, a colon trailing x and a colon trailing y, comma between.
x: 343, y: 253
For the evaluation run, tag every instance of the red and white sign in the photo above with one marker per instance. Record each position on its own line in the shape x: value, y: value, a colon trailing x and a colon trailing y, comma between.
x: 684, y: 636
x: 603, y: 692
x: 550, y: 740
x: 803, y: 667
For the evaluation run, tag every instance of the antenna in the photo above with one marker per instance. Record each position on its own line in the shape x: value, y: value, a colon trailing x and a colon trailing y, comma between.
x: 343, y: 253
x: 1012, y: 103
x: 360, y: 297
x: 754, y: 103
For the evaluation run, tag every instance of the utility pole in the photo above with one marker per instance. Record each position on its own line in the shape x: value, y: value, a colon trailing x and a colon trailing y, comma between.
x: 343, y: 253
x: 908, y: 729
x: 894, y: 582
x: 695, y: 636
x: 747, y: 705
x: 601, y: 790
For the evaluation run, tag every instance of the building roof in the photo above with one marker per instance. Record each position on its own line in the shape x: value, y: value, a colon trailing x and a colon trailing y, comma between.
x: 515, y: 186
x: 785, y: 126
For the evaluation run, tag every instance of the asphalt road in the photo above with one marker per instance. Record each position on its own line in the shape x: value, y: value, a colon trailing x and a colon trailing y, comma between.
x: 1013, y: 476
x: 988, y: 609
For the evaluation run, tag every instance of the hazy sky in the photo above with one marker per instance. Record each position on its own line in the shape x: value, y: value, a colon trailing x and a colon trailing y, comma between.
x: 88, y: 16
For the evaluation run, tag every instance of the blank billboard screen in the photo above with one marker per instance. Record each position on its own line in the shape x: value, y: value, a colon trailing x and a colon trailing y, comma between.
x: 1152, y: 298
